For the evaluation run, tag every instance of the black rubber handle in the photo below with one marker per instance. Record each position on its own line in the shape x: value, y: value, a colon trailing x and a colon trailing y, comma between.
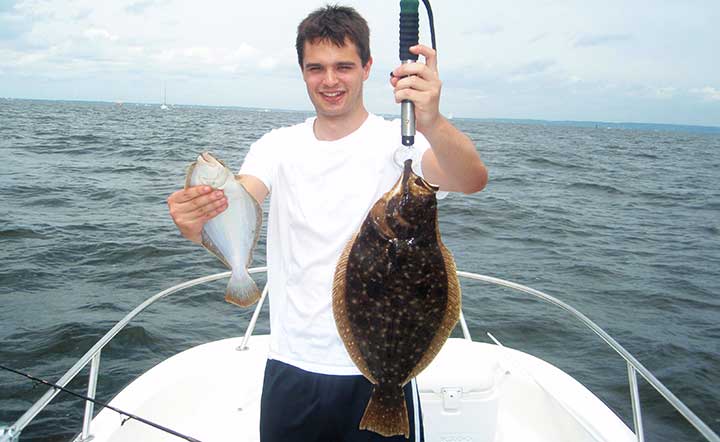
x: 409, y: 28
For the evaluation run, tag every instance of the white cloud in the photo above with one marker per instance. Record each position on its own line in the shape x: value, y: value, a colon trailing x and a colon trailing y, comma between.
x: 245, y: 51
x: 665, y: 92
x: 599, y: 40
x: 567, y: 59
x: 98, y: 33
x: 707, y: 93
x: 268, y: 63
x: 483, y: 29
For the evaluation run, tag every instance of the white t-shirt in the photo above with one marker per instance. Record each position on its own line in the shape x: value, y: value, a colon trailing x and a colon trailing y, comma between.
x: 320, y: 192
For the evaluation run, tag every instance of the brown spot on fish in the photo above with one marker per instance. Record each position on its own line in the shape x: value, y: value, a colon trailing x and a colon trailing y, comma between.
x: 396, y: 290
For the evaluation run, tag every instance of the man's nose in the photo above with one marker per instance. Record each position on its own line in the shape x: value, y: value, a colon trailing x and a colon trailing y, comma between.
x: 330, y: 77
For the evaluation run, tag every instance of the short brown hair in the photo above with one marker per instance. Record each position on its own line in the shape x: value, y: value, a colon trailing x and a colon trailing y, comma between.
x: 334, y: 23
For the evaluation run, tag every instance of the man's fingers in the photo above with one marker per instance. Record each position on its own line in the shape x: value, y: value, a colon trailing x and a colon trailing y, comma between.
x: 429, y: 53
x: 201, y: 214
x: 419, y: 69
x: 203, y: 206
x: 185, y: 195
x: 185, y: 210
x: 215, y: 210
x: 202, y: 200
x: 415, y: 96
x: 416, y: 83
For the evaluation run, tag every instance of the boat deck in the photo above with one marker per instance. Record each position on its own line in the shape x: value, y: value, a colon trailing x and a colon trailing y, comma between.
x: 471, y: 392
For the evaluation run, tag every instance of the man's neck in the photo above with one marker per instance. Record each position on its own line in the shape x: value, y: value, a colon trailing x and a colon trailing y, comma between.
x: 331, y: 129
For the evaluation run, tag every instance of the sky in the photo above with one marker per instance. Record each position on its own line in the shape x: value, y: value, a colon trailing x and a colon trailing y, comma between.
x: 618, y: 61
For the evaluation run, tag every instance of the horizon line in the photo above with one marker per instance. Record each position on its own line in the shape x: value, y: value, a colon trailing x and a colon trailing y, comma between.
x: 449, y: 116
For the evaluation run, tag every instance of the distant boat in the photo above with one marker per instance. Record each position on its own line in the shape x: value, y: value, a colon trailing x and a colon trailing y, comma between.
x: 164, y: 106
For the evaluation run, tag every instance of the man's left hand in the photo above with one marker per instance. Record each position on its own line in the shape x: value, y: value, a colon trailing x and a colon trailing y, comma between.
x: 420, y: 83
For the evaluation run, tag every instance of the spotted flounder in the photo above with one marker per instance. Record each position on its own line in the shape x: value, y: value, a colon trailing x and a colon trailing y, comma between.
x: 396, y: 297
x: 233, y: 234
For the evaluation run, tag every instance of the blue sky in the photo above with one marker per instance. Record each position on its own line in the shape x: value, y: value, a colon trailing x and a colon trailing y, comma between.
x: 641, y: 61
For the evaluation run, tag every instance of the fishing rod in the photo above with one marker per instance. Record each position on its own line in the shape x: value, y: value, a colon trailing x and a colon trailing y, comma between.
x: 117, y: 410
x: 409, y: 32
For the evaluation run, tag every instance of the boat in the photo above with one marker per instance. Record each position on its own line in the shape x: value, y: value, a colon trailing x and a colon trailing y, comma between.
x: 164, y: 105
x: 473, y: 391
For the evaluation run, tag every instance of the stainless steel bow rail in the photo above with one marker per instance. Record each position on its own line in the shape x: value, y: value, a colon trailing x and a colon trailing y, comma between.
x: 12, y: 433
x: 127, y: 416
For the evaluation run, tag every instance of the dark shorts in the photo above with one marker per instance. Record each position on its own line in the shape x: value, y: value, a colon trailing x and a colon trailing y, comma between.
x: 301, y: 406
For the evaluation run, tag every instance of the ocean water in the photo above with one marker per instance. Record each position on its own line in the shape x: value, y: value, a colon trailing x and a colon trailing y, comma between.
x: 622, y: 224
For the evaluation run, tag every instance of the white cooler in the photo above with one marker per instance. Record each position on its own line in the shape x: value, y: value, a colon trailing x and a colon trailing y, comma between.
x: 459, y: 394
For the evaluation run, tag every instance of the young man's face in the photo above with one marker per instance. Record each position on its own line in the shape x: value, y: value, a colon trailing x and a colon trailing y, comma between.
x: 334, y: 78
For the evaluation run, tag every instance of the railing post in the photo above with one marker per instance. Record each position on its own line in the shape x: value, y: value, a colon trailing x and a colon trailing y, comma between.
x: 8, y: 434
x: 90, y: 406
x: 635, y: 397
x: 464, y: 326
x: 251, y: 327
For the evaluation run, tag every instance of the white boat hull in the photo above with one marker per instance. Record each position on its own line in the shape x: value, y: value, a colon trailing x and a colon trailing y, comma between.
x: 472, y: 392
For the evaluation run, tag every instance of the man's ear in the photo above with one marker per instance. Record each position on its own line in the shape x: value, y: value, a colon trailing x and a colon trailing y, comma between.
x: 367, y: 67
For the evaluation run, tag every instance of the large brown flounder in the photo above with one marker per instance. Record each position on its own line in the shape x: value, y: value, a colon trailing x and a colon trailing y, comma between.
x: 396, y: 297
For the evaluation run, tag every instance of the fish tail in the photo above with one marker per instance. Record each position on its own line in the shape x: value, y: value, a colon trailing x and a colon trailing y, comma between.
x: 241, y: 289
x: 386, y: 412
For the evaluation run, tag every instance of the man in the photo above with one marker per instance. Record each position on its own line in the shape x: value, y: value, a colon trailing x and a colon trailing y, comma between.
x: 323, y: 176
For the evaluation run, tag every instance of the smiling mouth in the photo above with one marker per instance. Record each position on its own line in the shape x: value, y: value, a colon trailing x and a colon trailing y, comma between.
x: 332, y: 95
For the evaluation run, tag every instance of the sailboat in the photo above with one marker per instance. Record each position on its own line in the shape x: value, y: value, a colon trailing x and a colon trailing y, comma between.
x: 164, y: 106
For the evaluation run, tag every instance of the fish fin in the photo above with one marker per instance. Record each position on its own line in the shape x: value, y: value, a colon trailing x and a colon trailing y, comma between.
x: 452, y: 312
x: 258, y: 219
x: 386, y: 412
x: 189, y: 173
x: 208, y: 243
x: 241, y: 289
x: 454, y: 289
x: 340, y: 312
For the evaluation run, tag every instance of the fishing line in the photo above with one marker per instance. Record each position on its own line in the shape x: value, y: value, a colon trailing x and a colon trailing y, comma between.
x: 117, y: 410
x: 431, y: 20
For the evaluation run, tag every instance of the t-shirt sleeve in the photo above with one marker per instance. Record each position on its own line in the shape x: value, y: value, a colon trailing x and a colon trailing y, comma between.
x: 422, y: 145
x: 260, y: 161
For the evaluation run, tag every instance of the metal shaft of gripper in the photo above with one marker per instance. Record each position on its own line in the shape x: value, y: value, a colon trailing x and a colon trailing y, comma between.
x: 409, y: 25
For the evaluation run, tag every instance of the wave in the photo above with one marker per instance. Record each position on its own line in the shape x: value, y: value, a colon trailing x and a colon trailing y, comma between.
x: 88, y: 138
x: 647, y: 155
x: 41, y: 201
x: 56, y: 339
x: 111, y: 253
x: 543, y: 161
x: 20, y: 233
x: 598, y: 219
x: 595, y: 187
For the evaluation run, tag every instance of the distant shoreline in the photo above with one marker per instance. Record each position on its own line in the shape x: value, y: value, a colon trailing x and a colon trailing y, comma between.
x: 605, y: 125
x: 572, y: 123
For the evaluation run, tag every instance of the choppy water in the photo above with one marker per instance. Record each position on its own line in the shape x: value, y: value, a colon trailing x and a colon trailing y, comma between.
x: 622, y: 224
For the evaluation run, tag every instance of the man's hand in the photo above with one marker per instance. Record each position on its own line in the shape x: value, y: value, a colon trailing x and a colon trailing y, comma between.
x: 453, y: 163
x: 191, y: 208
x: 420, y: 83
